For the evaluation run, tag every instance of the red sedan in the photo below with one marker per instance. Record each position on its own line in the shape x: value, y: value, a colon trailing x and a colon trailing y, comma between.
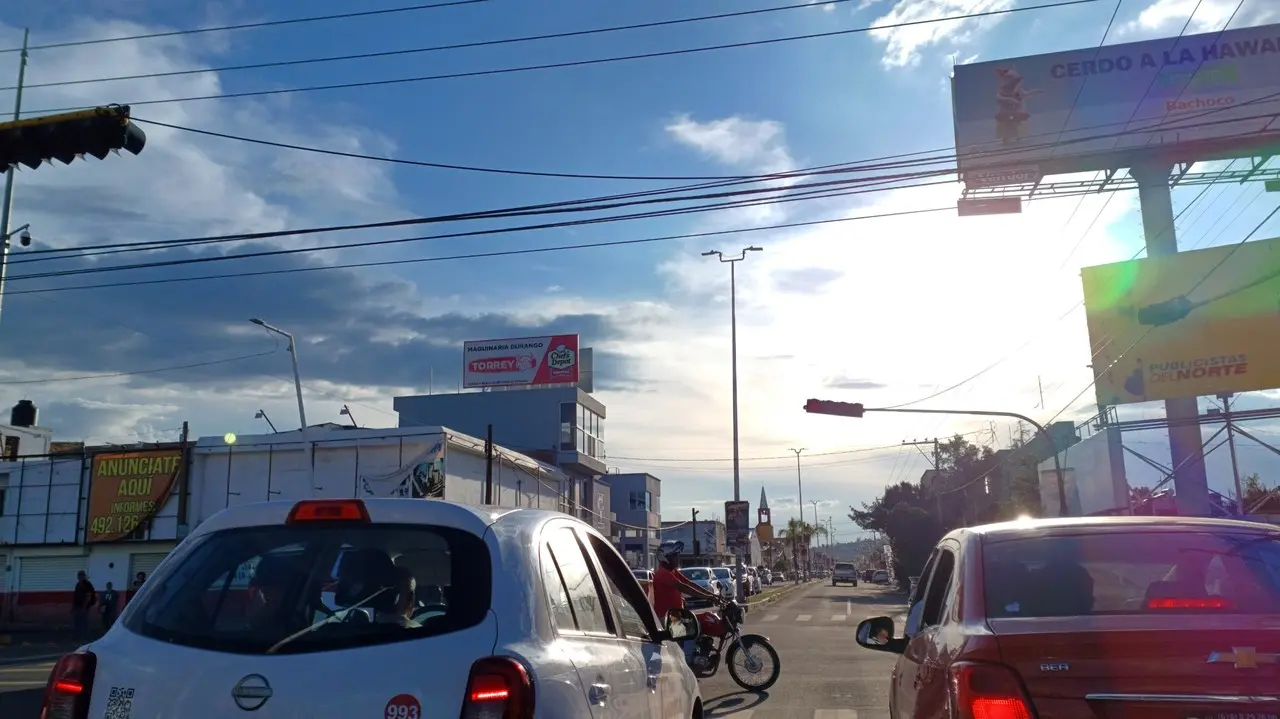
x: 1093, y: 618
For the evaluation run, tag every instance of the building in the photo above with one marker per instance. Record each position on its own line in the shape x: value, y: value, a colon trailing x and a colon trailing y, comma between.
x: 115, y: 511
x: 22, y: 437
x: 711, y: 549
x: 637, y: 507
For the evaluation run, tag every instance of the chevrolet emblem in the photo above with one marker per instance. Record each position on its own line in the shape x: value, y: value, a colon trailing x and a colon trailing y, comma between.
x: 1243, y: 658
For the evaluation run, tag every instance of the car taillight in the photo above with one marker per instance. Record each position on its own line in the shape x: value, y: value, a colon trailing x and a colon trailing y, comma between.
x: 66, y: 696
x: 499, y: 688
x: 1188, y: 603
x: 988, y: 691
x: 328, y: 510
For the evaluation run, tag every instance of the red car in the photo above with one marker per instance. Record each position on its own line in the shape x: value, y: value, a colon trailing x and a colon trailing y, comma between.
x: 1093, y: 618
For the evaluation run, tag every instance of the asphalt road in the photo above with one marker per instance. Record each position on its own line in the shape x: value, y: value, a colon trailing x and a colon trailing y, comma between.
x: 825, y: 674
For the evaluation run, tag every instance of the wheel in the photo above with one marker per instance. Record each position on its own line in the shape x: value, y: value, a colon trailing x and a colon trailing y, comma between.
x: 759, y: 650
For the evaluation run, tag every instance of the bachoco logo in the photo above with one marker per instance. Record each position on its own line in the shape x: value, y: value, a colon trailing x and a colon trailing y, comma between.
x: 518, y: 363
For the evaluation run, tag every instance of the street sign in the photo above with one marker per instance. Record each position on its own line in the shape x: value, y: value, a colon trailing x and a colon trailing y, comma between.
x: 989, y: 206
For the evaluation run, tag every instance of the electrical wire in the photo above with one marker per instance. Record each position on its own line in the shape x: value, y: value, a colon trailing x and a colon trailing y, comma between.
x: 585, y: 204
x: 245, y: 26
x: 834, y: 453
x: 429, y: 49
x: 134, y: 373
x: 590, y: 62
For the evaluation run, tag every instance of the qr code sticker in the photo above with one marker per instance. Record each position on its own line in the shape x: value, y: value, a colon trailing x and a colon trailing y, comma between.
x: 119, y: 703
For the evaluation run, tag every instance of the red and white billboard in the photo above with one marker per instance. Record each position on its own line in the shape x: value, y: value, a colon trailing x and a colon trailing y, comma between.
x: 522, y: 361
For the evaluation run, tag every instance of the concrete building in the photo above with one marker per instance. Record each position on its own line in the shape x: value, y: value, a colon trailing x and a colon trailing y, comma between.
x: 712, y: 549
x: 637, y: 504
x: 22, y: 437
x: 68, y: 513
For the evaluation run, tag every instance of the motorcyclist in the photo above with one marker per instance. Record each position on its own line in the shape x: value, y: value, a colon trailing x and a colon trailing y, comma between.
x: 670, y: 587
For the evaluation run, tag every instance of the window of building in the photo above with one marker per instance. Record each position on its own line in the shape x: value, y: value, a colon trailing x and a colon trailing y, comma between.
x: 648, y: 501
x: 568, y: 414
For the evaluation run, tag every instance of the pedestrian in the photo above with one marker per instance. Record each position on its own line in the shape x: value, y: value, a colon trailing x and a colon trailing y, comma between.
x: 138, y: 580
x: 107, y: 606
x: 82, y: 600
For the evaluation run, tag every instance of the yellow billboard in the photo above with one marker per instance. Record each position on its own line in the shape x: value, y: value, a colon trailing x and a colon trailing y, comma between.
x: 1196, y: 323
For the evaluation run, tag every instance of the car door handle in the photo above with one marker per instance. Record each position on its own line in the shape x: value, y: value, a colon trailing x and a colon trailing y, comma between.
x: 599, y: 694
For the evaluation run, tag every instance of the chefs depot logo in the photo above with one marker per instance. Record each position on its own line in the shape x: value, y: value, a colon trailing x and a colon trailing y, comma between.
x: 498, y: 365
x: 561, y: 359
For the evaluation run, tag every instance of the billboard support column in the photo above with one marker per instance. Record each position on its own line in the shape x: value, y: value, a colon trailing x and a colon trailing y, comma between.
x: 1186, y: 449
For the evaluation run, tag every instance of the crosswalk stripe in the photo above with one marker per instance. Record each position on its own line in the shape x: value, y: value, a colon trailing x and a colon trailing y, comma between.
x: 839, y: 617
x: 770, y: 618
x: 835, y: 714
x: 804, y: 617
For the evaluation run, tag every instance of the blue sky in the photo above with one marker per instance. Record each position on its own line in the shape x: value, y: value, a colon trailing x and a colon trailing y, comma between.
x: 900, y: 306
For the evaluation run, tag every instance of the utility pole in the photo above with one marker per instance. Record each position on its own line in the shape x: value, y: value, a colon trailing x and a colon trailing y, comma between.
x: 694, y: 534
x: 1231, y: 445
x: 6, y: 204
x: 934, y: 463
x: 799, y: 483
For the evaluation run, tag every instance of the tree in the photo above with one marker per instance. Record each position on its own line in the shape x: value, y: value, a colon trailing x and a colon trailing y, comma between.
x: 874, y: 516
x: 908, y: 518
x: 1255, y: 493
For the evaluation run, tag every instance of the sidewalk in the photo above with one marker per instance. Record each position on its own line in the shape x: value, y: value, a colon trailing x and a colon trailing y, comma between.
x: 20, y: 652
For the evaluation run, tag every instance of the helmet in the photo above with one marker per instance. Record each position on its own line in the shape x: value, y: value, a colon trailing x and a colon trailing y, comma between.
x: 671, y: 548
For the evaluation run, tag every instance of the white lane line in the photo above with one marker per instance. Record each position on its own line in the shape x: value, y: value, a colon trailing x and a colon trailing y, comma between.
x: 848, y: 607
x: 839, y: 617
x: 835, y: 714
x: 804, y: 617
x: 770, y: 618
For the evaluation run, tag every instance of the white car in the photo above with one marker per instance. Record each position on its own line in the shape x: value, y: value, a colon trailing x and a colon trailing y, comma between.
x: 724, y: 577
x: 703, y: 577
x: 397, y: 608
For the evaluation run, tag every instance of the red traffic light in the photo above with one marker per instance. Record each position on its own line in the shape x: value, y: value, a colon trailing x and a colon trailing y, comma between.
x: 839, y: 409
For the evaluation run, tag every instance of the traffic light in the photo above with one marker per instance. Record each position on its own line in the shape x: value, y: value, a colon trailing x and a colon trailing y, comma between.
x: 69, y: 135
x: 840, y: 409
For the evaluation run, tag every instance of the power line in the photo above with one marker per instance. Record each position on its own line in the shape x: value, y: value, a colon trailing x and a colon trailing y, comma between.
x: 579, y: 205
x: 594, y: 61
x: 246, y: 26
x: 429, y: 49
x: 134, y: 373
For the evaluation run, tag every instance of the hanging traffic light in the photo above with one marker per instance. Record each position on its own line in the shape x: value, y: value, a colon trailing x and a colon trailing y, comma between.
x: 69, y: 135
x: 840, y: 409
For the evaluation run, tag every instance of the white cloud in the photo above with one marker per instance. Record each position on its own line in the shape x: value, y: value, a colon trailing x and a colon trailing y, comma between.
x: 1167, y: 17
x: 903, y: 46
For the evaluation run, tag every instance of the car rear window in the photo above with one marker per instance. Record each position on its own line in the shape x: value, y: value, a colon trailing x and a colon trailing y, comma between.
x: 841, y: 567
x: 1130, y: 573
x: 290, y: 589
x: 696, y: 574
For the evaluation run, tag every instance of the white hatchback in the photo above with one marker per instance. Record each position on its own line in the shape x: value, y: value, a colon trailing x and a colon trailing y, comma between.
x: 414, y: 608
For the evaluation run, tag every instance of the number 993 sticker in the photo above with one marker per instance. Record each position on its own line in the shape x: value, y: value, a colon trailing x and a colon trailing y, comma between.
x: 403, y: 706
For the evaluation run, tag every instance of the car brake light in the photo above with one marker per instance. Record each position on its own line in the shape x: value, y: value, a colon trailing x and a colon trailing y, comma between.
x: 66, y: 696
x: 988, y: 691
x: 499, y: 688
x: 328, y: 510
x: 1188, y: 603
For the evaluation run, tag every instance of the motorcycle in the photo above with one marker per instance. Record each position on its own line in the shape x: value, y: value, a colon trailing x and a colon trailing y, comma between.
x: 748, y: 656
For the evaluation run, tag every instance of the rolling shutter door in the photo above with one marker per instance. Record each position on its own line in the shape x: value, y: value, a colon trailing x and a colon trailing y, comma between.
x: 144, y: 563
x: 48, y: 574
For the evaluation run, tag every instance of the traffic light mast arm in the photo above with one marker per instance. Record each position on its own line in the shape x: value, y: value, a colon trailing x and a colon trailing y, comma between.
x: 120, y: 112
x: 856, y: 410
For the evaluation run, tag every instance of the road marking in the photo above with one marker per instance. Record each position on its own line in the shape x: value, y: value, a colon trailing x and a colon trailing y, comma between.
x: 770, y: 618
x: 804, y: 618
x: 839, y: 617
x: 848, y: 607
x: 835, y: 714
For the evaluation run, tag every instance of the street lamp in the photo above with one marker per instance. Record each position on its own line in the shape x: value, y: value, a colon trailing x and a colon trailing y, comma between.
x: 297, y: 386
x: 24, y: 238
x: 799, y: 482
x: 816, y: 524
x: 733, y: 340
x: 262, y: 414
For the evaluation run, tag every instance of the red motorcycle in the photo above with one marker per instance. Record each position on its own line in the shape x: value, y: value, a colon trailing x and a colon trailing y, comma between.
x: 753, y: 662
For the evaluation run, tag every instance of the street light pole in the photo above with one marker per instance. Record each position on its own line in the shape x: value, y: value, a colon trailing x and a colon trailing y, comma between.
x: 816, y: 524
x: 297, y: 387
x: 733, y: 340
x: 6, y: 203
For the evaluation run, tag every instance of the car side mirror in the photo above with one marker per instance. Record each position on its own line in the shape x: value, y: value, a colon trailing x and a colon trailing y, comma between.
x: 877, y: 634
x: 682, y: 625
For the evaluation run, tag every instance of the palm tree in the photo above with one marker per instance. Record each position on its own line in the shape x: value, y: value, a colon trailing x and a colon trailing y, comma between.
x: 798, y: 534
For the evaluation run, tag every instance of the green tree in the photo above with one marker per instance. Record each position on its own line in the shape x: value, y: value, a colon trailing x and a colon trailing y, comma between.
x: 1254, y: 491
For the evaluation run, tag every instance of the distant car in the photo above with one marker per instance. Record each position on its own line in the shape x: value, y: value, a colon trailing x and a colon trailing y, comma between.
x: 844, y: 573
x: 755, y: 580
x: 724, y: 578
x: 1095, y: 616
x: 880, y: 576
x: 645, y: 578
x: 703, y: 577
x: 401, y: 608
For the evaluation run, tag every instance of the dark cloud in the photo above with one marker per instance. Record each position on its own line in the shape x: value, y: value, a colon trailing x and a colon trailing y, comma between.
x: 351, y: 329
x: 806, y: 280
x: 849, y: 383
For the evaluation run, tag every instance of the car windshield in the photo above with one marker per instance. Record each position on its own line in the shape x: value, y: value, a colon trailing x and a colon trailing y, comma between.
x: 697, y: 574
x: 722, y: 573
x: 1130, y: 572
x: 291, y: 589
x: 640, y: 573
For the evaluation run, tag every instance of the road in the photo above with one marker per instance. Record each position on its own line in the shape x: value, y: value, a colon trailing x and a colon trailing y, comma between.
x: 825, y: 675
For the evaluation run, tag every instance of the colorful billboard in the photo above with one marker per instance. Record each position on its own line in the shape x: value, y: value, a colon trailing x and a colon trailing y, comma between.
x: 127, y: 488
x: 1100, y: 108
x: 523, y: 361
x: 1186, y: 325
x: 737, y: 526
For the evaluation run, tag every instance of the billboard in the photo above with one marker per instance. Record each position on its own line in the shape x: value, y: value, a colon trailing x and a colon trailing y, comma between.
x: 1185, y: 325
x: 1193, y: 97
x: 737, y: 526
x: 522, y: 361
x: 128, y: 488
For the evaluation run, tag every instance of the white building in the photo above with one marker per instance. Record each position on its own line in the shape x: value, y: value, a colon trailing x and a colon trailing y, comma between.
x: 45, y: 513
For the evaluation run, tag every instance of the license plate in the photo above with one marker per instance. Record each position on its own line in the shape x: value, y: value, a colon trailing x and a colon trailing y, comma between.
x: 1235, y: 715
